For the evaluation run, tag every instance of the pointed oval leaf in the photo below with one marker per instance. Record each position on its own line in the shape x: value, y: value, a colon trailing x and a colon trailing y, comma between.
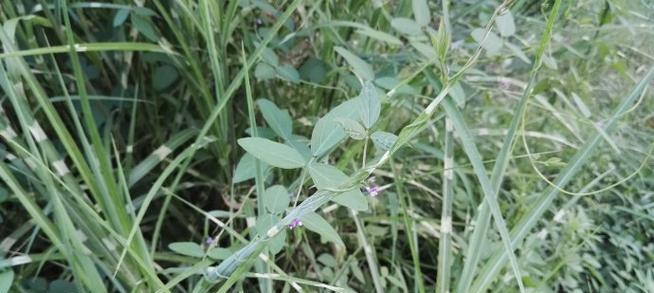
x: 362, y: 69
x: 299, y: 146
x: 492, y: 44
x: 187, y: 248
x: 245, y: 169
x: 269, y: 56
x: 346, y: 109
x: 369, y: 105
x: 505, y: 24
x: 318, y: 224
x: 383, y: 140
x: 121, y: 16
x: 517, y: 51
x: 277, y: 242
x: 353, y: 199
x: 288, y: 73
x: 265, y: 222
x: 219, y: 253
x: 6, y: 279
x: 276, y: 199
x: 421, y: 12
x: 279, y: 120
x: 406, y: 26
x: 352, y: 128
x: 425, y: 49
x: 329, y: 177
x: 326, y: 176
x: 273, y: 153
x: 326, y: 134
x: 264, y: 71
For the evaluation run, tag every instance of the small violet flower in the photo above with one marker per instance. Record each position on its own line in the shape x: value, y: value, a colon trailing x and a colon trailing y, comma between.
x: 373, y: 190
x: 295, y: 223
x: 209, y: 242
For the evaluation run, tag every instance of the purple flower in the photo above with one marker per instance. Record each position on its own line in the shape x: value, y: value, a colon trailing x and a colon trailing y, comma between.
x: 209, y: 241
x: 373, y: 190
x: 504, y: 84
x: 295, y: 223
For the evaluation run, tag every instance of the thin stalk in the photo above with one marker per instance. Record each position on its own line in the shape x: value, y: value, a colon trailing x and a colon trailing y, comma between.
x: 445, y: 243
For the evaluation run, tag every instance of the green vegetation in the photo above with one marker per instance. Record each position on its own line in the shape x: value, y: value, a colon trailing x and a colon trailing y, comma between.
x: 317, y: 146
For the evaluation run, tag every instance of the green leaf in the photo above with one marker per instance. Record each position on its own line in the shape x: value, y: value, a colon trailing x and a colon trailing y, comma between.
x: 424, y: 49
x: 318, y: 224
x: 550, y: 62
x: 381, y: 36
x: 329, y: 177
x: 245, y: 169
x: 406, y: 26
x: 6, y: 279
x: 273, y: 153
x: 581, y: 105
x: 288, y: 73
x: 61, y: 286
x: 421, y: 12
x: 278, y: 120
x: 362, y: 69
x: 219, y: 253
x: 163, y: 77
x: 277, y: 243
x: 276, y: 199
x: 314, y: 70
x: 297, y: 142
x: 518, y: 52
x: 120, y: 17
x: 264, y: 71
x: 264, y: 223
x: 505, y: 24
x: 352, y: 128
x: 346, y: 109
x: 269, y: 56
x: 369, y: 105
x: 143, y: 26
x: 383, y: 140
x: 492, y: 44
x: 326, y: 134
x: 458, y: 95
x: 187, y: 248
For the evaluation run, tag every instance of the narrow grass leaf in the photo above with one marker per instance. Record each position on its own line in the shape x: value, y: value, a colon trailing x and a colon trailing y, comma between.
x: 380, y: 36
